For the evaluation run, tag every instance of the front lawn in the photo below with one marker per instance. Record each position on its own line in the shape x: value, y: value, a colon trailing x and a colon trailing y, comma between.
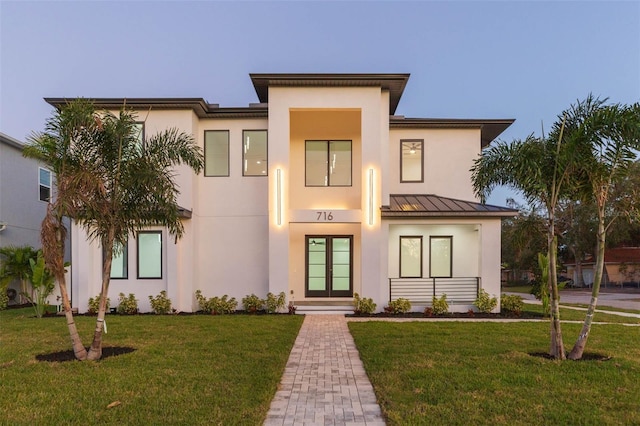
x: 484, y: 373
x: 197, y: 369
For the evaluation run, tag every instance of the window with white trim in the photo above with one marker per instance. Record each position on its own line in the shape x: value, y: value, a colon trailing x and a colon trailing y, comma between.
x: 44, y: 184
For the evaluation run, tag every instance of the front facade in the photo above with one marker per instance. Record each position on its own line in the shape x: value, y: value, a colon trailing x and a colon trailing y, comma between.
x: 318, y: 191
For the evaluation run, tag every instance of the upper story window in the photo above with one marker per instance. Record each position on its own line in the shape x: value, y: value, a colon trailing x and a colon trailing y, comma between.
x: 328, y: 163
x: 254, y: 153
x: 44, y: 183
x: 412, y: 160
x: 216, y: 153
x: 139, y: 132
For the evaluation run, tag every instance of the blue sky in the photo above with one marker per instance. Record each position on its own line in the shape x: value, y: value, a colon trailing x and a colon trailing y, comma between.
x: 474, y: 59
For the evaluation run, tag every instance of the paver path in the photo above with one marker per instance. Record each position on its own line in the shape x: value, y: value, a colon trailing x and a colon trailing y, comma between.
x: 324, y: 382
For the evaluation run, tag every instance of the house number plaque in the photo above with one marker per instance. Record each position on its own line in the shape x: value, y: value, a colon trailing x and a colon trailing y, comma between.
x: 326, y: 216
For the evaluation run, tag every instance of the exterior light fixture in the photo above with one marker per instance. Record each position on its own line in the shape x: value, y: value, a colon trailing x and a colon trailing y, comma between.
x: 279, y: 197
x: 371, y: 197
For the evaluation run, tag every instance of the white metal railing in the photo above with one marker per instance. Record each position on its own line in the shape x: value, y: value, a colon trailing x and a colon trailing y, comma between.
x: 422, y: 290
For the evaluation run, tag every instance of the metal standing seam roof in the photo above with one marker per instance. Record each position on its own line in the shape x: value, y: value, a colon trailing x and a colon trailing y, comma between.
x: 429, y: 205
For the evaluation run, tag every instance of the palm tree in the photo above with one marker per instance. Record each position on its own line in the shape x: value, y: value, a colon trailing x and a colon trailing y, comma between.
x: 541, y: 169
x: 118, y: 184
x: 609, y: 138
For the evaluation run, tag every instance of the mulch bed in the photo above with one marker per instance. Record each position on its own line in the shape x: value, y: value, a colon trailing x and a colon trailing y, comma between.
x: 64, y: 356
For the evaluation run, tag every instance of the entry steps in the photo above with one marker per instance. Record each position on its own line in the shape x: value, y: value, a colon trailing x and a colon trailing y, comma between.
x: 311, y: 307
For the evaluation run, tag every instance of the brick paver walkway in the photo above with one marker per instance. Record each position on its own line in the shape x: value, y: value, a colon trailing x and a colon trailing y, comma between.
x: 324, y: 382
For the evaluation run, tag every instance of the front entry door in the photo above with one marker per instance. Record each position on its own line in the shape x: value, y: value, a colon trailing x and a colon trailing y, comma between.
x: 329, y: 266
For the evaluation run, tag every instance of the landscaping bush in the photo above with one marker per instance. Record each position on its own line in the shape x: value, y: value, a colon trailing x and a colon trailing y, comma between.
x: 252, y: 303
x: 216, y: 305
x: 160, y: 304
x: 439, y: 306
x: 363, y: 306
x: 398, y: 306
x: 128, y: 305
x: 511, y: 303
x: 275, y: 303
x: 94, y: 305
x: 485, y: 303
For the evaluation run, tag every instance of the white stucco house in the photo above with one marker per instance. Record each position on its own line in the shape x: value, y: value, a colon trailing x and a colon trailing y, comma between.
x: 318, y: 191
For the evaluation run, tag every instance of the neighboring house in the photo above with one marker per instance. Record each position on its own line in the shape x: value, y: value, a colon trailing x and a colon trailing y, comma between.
x: 318, y: 191
x: 621, y: 268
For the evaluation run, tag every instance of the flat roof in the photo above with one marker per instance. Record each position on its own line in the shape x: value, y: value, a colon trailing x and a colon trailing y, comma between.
x: 394, y: 83
x: 430, y: 205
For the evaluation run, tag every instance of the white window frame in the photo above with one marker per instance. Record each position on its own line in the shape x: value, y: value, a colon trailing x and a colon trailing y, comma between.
x: 45, y: 186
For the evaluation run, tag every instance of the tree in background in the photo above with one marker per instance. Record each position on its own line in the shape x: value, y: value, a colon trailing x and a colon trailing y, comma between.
x: 112, y: 184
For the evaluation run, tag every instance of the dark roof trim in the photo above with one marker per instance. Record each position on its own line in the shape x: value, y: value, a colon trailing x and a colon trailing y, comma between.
x: 489, y: 128
x: 8, y: 140
x: 184, y: 213
x: 394, y: 83
x: 198, y: 105
x: 433, y: 206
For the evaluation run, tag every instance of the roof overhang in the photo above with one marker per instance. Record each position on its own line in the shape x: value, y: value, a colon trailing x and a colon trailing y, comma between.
x: 393, y: 83
x: 414, y: 206
x: 198, y: 105
x: 8, y: 140
x: 489, y: 128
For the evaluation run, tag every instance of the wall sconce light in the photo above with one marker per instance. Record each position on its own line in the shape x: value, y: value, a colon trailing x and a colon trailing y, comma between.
x: 371, y: 195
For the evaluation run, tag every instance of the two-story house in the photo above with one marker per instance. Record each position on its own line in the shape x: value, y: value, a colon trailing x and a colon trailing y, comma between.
x: 318, y: 191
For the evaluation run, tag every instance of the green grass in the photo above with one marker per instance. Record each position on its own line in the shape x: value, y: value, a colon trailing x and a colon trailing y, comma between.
x: 517, y: 289
x: 483, y: 373
x: 196, y: 369
x: 578, y: 315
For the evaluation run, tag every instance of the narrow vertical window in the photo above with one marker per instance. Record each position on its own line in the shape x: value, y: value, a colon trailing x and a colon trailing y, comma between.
x: 139, y: 132
x: 216, y: 153
x: 150, y: 254
x: 119, y: 264
x: 440, y: 254
x: 412, y: 160
x: 410, y: 257
x: 254, y: 153
x: 328, y: 163
x: 44, y: 184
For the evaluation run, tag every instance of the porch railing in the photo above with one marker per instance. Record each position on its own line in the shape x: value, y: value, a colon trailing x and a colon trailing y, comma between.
x: 422, y: 290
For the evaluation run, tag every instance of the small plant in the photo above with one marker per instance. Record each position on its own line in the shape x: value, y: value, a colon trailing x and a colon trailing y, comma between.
x: 128, y: 305
x: 471, y: 313
x: 42, y: 283
x: 484, y: 302
x: 363, y: 306
x: 511, y: 303
x: 292, y: 308
x: 440, y: 306
x: 275, y: 303
x: 252, y: 303
x: 160, y: 304
x: 428, y: 311
x: 216, y: 305
x: 94, y: 305
x: 399, y: 306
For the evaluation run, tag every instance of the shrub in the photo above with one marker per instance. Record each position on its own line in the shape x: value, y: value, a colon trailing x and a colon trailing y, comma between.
x: 511, y: 303
x: 128, y: 305
x: 252, y: 303
x: 275, y: 303
x: 4, y: 297
x: 94, y: 305
x: 363, y: 306
x: 160, y: 304
x: 439, y: 306
x: 399, y: 306
x: 484, y: 302
x: 216, y: 305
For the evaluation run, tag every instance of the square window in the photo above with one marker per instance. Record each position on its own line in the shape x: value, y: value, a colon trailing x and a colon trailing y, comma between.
x: 328, y: 163
x: 412, y: 160
x: 149, y: 254
x: 216, y: 153
x: 254, y: 153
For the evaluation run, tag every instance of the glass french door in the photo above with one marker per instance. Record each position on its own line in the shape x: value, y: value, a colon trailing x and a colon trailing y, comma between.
x: 329, y: 266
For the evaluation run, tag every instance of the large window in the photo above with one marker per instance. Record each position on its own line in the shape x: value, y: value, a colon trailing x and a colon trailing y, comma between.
x: 328, y: 163
x: 412, y: 160
x: 150, y: 254
x: 216, y: 153
x: 119, y: 264
x: 440, y: 253
x: 44, y: 183
x: 410, y: 257
x: 254, y: 153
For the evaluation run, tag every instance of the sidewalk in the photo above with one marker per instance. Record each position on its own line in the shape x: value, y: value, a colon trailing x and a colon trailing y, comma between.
x: 324, y: 381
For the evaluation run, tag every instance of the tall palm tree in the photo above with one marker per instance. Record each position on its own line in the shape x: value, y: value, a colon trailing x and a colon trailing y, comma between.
x: 540, y: 168
x: 609, y: 138
x: 121, y: 185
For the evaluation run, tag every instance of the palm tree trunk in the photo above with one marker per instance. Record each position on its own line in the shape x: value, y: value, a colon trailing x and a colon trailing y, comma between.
x: 78, y: 348
x: 556, y: 349
x: 578, y: 347
x: 95, y: 352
